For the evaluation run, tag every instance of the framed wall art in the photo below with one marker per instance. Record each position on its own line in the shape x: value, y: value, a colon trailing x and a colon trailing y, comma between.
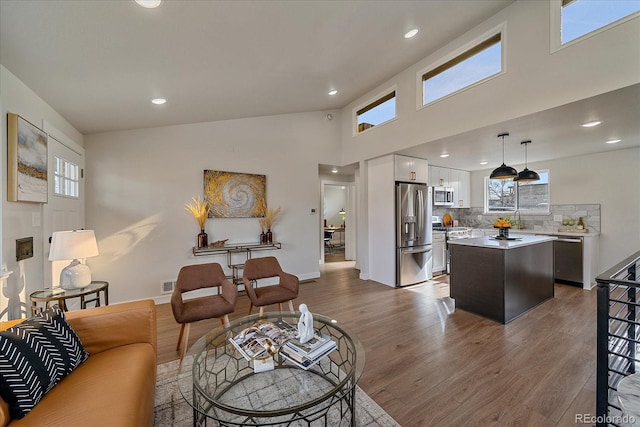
x: 234, y: 195
x: 26, y: 161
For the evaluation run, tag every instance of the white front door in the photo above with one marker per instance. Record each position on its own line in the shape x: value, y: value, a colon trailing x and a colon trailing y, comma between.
x: 65, y: 210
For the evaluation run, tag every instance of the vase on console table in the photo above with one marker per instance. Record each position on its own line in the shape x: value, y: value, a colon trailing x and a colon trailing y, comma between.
x: 269, y: 236
x: 263, y: 238
x: 203, y: 239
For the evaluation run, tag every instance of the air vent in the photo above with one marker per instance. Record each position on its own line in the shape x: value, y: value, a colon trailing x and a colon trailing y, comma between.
x: 167, y: 286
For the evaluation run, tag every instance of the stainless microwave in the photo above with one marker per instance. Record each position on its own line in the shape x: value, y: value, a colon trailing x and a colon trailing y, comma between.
x: 442, y: 196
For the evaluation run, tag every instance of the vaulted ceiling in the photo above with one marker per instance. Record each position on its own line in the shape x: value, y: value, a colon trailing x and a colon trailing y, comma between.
x: 99, y: 63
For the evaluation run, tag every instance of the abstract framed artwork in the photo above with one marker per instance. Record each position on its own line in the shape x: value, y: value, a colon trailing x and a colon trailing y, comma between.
x: 26, y: 161
x: 234, y: 195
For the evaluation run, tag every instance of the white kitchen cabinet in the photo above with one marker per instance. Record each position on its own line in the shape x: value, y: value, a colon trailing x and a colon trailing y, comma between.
x: 411, y: 169
x: 439, y: 253
x: 461, y: 183
x: 457, y: 179
x: 439, y: 176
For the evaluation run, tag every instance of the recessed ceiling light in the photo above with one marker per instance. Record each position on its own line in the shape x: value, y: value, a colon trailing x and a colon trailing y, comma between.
x: 411, y: 33
x: 484, y: 162
x: 613, y: 141
x: 149, y: 4
x: 591, y: 124
x: 333, y: 92
x: 158, y: 101
x: 334, y: 170
x: 444, y: 156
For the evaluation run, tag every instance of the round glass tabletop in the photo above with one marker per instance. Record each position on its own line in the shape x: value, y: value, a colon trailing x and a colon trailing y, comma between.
x: 220, y: 383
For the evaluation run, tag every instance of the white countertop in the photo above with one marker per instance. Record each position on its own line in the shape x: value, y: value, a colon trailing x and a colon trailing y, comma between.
x: 492, y: 243
x: 548, y: 233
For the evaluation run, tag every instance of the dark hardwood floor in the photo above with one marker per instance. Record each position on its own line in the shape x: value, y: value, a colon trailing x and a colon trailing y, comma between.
x: 428, y: 365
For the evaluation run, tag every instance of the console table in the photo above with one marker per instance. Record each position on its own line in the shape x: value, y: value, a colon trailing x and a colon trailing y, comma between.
x: 59, y: 295
x: 242, y: 249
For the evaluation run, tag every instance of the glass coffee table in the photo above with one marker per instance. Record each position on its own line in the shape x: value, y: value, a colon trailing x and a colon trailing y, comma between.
x: 220, y: 384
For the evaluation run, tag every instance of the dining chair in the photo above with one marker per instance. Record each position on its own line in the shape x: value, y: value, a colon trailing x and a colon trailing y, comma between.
x: 189, y: 310
x: 285, y: 290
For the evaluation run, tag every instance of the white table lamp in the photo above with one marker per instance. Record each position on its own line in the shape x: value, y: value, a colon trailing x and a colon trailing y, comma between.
x: 73, y: 245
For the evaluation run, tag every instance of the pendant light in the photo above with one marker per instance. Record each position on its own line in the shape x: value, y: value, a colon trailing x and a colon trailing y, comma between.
x: 504, y: 171
x: 526, y: 175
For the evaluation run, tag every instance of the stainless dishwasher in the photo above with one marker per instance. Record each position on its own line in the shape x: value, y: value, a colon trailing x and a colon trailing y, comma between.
x: 568, y: 259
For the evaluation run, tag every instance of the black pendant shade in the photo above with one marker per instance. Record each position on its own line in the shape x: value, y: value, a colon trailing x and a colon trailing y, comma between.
x: 526, y: 175
x: 503, y: 171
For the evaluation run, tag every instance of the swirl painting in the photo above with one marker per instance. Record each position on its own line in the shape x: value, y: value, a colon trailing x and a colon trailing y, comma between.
x: 234, y: 195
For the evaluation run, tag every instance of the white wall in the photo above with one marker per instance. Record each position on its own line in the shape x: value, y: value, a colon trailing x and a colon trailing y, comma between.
x: 16, y: 97
x: 535, y: 80
x: 335, y: 199
x: 138, y: 182
x: 610, y: 179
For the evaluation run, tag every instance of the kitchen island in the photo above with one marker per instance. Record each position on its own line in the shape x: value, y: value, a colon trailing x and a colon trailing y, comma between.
x: 501, y: 279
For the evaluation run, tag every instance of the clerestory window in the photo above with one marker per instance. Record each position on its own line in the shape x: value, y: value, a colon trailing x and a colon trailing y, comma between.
x: 471, y: 67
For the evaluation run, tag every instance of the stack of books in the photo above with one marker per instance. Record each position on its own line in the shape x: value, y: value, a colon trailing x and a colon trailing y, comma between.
x: 264, y: 339
x: 261, y: 339
x: 308, y: 354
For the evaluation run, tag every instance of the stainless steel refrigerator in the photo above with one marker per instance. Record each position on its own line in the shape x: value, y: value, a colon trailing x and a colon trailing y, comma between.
x: 413, y: 233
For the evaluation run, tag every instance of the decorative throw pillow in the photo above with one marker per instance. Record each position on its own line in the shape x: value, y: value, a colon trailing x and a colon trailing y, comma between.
x: 34, y: 356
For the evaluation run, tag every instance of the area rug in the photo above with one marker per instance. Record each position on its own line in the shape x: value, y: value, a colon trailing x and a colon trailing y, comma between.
x: 171, y: 410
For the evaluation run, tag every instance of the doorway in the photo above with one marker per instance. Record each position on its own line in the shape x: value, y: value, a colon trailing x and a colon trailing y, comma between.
x: 338, y: 216
x: 65, y: 210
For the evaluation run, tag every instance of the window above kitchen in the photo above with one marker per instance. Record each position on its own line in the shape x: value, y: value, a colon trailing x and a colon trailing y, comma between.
x: 505, y: 195
x: 582, y: 18
x: 474, y: 65
x: 377, y: 112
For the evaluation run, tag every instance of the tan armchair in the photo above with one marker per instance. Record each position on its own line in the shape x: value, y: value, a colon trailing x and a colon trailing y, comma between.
x: 261, y: 268
x: 191, y: 278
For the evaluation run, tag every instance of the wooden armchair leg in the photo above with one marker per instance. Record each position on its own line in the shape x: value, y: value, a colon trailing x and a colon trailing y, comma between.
x: 261, y: 310
x: 250, y: 307
x: 183, y: 339
x: 180, y: 336
x: 280, y: 307
x: 225, y: 321
x: 290, y: 306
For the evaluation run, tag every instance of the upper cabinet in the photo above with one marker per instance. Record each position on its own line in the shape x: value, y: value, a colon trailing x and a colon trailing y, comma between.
x: 411, y: 169
x: 457, y: 179
x: 461, y: 183
x: 439, y: 177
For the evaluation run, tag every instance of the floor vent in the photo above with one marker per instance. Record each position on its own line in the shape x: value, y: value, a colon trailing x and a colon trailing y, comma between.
x: 167, y: 286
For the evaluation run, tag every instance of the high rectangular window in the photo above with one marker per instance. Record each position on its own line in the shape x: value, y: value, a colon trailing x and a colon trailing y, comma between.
x: 475, y: 65
x: 581, y: 17
x: 66, y: 178
x: 377, y: 112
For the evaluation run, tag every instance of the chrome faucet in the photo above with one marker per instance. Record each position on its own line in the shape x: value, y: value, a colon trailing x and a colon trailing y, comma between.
x: 519, y: 223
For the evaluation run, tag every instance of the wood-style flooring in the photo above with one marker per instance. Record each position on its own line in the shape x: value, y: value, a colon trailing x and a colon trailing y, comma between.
x: 428, y: 365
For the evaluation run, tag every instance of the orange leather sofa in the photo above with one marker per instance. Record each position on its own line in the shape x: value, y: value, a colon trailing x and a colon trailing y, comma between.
x: 115, y: 386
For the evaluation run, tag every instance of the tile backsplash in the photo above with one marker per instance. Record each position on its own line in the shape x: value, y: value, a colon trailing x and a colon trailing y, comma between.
x: 476, y: 218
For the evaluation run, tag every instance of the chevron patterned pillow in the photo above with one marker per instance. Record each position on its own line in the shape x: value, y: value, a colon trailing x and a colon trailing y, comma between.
x: 34, y: 356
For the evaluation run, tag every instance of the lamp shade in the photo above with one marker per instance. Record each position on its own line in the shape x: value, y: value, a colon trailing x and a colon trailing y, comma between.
x: 504, y: 172
x: 527, y: 175
x: 73, y: 245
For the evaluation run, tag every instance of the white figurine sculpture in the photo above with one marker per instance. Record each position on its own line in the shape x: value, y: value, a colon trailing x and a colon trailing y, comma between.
x: 305, y: 324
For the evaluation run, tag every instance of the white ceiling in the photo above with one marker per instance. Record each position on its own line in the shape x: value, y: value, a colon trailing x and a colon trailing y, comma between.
x: 99, y: 63
x: 555, y: 133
